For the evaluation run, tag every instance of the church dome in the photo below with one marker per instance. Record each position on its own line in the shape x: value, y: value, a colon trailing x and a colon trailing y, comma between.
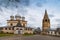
x: 12, y: 17
x: 23, y: 18
x: 17, y: 16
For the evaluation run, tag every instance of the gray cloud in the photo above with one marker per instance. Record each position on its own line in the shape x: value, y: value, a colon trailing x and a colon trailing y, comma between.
x: 51, y: 15
x: 8, y: 8
x: 58, y: 20
x: 40, y: 3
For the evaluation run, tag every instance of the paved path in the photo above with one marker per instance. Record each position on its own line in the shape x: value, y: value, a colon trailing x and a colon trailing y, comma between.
x: 36, y: 37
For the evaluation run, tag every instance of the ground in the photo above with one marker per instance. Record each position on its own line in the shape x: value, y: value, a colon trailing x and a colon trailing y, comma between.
x: 35, y: 37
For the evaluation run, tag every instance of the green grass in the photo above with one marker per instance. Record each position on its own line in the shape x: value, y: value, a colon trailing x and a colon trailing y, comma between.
x: 3, y: 35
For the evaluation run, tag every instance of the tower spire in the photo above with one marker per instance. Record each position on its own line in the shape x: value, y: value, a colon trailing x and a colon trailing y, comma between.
x: 46, y: 15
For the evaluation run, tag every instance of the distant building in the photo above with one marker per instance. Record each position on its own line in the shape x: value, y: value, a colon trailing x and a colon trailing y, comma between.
x: 37, y: 31
x: 16, y: 25
x: 45, y: 22
x: 54, y: 32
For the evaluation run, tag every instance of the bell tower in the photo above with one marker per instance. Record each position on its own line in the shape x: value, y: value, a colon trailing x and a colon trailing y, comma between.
x: 45, y: 22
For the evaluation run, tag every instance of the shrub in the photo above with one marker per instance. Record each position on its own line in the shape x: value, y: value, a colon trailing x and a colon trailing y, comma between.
x: 1, y: 32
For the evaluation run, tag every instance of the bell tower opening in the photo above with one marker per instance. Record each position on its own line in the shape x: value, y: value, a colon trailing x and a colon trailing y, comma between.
x: 45, y: 20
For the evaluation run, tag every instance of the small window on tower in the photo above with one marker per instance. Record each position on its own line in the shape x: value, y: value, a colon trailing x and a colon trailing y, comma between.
x: 46, y: 20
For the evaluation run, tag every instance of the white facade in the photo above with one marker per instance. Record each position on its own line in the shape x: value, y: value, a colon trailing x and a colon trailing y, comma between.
x: 18, y: 30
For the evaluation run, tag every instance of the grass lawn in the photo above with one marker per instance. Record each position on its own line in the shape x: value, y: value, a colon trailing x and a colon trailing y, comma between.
x: 3, y: 35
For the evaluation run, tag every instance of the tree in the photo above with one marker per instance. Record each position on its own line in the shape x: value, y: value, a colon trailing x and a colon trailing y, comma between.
x: 37, y: 31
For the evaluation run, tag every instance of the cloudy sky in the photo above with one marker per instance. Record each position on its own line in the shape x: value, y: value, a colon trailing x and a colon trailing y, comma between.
x: 33, y: 10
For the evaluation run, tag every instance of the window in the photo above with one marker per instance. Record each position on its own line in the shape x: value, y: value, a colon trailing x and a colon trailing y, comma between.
x: 20, y: 29
x: 46, y: 20
x: 1, y: 28
x: 31, y: 29
x: 23, y: 25
x: 17, y: 29
x: 28, y: 28
x: 11, y: 24
x: 25, y: 28
x: 12, y: 28
x: 6, y: 32
x: 5, y: 28
x: 9, y: 28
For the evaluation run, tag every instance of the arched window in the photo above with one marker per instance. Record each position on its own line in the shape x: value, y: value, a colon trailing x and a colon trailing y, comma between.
x: 23, y: 25
x: 9, y: 28
x: 11, y: 24
x: 25, y: 28
x: 5, y: 28
x: 12, y: 28
x: 20, y: 29
x: 46, y: 20
x: 17, y: 29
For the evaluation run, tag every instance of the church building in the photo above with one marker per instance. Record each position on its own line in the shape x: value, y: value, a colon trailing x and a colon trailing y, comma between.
x: 16, y: 25
x: 45, y: 22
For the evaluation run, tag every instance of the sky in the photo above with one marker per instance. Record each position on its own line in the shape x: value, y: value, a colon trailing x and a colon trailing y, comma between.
x: 33, y: 10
